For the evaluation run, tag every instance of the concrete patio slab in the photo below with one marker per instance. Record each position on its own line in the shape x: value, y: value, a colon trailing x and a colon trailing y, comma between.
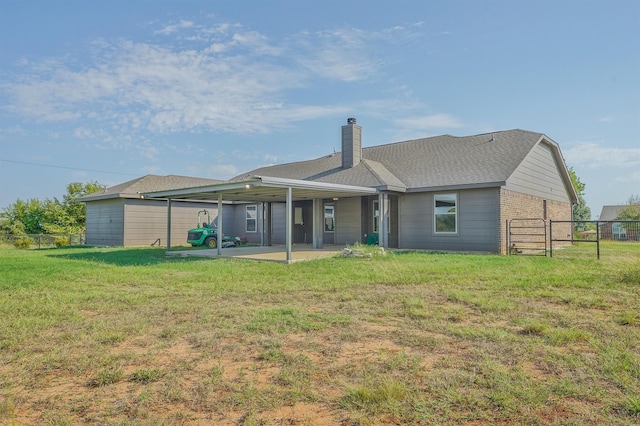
x: 277, y: 253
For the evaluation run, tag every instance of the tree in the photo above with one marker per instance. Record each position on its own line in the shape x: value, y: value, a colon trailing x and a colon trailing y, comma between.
x: 632, y: 210
x: 580, y: 210
x: 50, y: 216
x: 23, y: 217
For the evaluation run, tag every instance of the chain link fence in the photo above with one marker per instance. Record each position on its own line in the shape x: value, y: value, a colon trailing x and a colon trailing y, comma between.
x: 37, y: 241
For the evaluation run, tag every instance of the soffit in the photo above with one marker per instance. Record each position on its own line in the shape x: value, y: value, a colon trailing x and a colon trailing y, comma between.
x: 264, y: 189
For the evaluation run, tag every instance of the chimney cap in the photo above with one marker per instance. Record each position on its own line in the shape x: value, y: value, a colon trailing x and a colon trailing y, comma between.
x: 351, y: 120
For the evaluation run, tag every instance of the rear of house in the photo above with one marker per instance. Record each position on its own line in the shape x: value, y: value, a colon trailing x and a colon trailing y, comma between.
x: 437, y: 193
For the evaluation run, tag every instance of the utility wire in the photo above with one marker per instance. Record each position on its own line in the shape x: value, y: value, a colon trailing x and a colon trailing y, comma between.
x: 64, y: 167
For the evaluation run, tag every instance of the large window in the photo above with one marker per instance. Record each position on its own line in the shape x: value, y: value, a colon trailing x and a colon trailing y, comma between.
x: 329, y: 218
x: 252, y: 218
x: 445, y: 213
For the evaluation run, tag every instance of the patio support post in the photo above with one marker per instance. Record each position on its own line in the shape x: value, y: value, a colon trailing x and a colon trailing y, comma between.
x: 268, y: 225
x: 168, y: 224
x: 220, y: 234
x: 262, y: 223
x: 288, y: 226
x: 318, y: 219
x: 383, y: 238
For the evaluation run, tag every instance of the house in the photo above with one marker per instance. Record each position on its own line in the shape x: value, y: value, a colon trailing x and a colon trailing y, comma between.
x: 610, y: 229
x: 436, y: 193
x: 121, y: 216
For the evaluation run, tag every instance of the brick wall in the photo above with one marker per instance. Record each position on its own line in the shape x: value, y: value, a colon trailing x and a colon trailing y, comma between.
x: 515, y: 205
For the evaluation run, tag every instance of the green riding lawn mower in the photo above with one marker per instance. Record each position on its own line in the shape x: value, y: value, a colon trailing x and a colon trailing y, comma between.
x: 205, y: 234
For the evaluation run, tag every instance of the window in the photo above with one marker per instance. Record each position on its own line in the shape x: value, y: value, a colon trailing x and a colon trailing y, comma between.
x: 252, y: 218
x: 297, y: 216
x: 445, y: 213
x: 329, y: 218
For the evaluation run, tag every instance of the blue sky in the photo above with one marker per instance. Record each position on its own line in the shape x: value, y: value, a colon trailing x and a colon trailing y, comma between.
x: 109, y: 91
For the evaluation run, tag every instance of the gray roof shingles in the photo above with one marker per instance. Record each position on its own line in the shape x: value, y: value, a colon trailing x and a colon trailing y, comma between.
x: 610, y: 212
x: 438, y: 161
x: 149, y: 183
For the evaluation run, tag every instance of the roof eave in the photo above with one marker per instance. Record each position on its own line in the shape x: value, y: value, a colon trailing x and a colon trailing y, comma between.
x: 573, y: 194
x: 113, y: 195
x: 457, y: 187
x: 393, y: 188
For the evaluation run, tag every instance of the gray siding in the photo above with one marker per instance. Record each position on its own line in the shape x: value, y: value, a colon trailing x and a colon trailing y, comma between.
x: 539, y: 175
x: 478, y: 222
x: 238, y: 216
x: 105, y: 222
x: 278, y: 223
x: 393, y: 235
x: 146, y: 221
x: 348, y: 221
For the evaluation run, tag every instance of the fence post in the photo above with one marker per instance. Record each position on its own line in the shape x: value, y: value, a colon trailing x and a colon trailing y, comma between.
x: 598, y: 240
x: 550, y: 237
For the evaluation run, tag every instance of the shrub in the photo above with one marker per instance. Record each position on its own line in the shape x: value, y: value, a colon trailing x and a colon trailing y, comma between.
x: 61, y: 241
x: 23, y: 243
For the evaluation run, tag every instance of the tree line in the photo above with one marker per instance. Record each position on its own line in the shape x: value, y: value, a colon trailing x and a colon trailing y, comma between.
x: 49, y: 216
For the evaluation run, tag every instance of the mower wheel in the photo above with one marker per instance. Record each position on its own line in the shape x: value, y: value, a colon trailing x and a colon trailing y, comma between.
x: 211, y: 242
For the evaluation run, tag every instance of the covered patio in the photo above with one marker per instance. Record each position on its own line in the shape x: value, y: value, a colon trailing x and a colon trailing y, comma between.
x: 268, y: 190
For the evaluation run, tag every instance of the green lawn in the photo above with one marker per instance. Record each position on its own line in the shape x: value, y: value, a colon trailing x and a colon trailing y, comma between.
x: 129, y: 336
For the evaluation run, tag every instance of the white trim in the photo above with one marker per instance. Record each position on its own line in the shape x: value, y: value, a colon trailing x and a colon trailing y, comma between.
x: 455, y: 213
x: 247, y: 218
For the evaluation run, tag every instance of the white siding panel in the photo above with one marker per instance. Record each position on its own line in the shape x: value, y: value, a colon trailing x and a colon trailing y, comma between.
x: 105, y: 223
x: 539, y: 175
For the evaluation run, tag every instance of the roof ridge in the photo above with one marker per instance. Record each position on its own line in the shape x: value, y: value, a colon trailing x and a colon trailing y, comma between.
x: 373, y: 172
x: 368, y: 164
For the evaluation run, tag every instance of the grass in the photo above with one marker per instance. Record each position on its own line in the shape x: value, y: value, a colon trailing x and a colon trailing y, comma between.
x: 129, y: 336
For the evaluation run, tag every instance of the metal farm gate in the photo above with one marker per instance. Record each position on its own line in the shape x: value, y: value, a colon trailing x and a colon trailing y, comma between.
x: 527, y: 236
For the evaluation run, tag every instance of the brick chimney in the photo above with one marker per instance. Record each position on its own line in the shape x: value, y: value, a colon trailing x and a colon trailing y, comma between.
x: 351, y: 144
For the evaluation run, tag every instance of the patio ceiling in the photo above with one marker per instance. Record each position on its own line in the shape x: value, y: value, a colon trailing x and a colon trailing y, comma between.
x: 265, y: 189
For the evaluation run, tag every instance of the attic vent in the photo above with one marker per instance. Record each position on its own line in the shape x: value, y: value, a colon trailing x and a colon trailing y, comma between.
x: 351, y: 120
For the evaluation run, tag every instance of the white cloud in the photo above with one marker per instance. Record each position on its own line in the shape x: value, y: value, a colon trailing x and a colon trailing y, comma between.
x: 606, y: 119
x: 346, y: 54
x: 222, y: 171
x: 271, y: 158
x: 633, y: 178
x: 220, y: 78
x: 429, y: 122
x: 595, y: 156
x: 171, y: 29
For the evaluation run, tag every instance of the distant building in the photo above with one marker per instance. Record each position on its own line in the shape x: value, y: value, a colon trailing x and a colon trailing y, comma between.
x: 609, y: 228
x: 120, y: 216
